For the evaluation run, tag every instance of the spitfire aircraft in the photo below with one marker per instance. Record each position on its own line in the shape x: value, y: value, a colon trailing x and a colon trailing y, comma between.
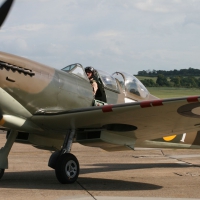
x: 50, y: 109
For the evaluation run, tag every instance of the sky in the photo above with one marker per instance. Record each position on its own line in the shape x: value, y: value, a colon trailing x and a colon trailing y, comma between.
x: 111, y: 35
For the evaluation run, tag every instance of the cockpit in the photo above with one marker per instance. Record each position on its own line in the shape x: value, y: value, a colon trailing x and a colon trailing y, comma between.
x: 110, y: 86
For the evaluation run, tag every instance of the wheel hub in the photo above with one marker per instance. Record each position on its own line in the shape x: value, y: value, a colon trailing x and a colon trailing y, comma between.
x: 71, y: 169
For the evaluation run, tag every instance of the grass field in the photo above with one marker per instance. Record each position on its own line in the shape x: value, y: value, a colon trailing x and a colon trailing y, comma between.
x: 149, y: 77
x: 170, y: 92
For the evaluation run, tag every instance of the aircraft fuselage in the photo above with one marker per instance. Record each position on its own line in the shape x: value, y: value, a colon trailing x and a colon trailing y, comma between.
x: 36, y: 86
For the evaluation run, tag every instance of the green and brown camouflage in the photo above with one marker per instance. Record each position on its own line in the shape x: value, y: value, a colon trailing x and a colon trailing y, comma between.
x: 39, y: 88
x: 50, y: 108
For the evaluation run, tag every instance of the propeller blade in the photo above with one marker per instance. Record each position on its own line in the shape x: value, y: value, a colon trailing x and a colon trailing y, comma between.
x: 4, y: 9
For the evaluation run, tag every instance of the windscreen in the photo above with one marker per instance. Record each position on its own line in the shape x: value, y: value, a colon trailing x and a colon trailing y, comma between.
x: 76, y: 69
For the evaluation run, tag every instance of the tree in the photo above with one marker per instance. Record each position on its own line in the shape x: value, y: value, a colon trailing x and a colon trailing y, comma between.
x: 176, y: 80
x: 162, y: 80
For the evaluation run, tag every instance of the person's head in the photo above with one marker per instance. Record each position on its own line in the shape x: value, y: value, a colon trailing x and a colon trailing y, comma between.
x: 89, y: 71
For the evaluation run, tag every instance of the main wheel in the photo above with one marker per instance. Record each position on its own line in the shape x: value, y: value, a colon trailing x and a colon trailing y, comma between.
x: 67, y: 168
x: 1, y: 173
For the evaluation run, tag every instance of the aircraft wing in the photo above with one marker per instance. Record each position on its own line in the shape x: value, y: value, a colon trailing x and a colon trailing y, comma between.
x: 148, y: 119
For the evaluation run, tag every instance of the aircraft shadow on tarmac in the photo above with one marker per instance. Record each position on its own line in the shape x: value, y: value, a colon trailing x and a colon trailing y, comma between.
x: 46, y: 179
x: 106, y: 167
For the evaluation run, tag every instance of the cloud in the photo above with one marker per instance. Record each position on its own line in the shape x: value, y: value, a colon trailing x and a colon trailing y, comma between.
x: 156, y: 6
x: 27, y: 27
x: 107, y: 34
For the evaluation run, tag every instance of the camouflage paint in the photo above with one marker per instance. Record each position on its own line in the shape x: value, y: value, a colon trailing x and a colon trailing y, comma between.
x: 56, y: 91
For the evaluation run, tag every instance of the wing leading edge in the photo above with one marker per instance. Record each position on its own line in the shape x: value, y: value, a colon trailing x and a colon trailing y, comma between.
x: 146, y: 119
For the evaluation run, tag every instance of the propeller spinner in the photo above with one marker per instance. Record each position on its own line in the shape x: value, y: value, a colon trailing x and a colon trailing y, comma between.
x: 4, y: 9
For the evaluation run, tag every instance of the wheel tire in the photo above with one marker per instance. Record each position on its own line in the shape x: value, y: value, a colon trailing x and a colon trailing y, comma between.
x: 67, y: 168
x: 1, y: 173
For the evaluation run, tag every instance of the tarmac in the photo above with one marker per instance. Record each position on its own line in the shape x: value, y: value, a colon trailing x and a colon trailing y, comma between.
x: 143, y: 174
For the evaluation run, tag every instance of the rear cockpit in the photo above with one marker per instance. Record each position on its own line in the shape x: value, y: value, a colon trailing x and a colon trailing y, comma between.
x: 131, y: 86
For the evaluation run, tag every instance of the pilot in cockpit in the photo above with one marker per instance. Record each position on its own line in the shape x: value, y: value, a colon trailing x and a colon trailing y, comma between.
x: 90, y: 74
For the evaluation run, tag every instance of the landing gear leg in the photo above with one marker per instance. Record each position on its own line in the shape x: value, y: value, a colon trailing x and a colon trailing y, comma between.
x: 5, y: 151
x: 1, y: 173
x: 67, y: 165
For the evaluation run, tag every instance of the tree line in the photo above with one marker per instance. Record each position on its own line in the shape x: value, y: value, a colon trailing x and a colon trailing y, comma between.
x: 176, y: 81
x: 181, y: 72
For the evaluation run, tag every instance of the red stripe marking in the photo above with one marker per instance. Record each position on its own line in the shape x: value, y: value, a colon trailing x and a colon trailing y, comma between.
x: 107, y: 108
x: 157, y: 103
x: 192, y: 99
x: 145, y: 104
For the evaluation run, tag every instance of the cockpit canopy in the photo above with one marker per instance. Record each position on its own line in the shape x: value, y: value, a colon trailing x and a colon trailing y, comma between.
x: 130, y: 85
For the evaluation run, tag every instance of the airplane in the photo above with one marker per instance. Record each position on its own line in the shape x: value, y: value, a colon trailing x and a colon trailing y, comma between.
x: 51, y: 109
